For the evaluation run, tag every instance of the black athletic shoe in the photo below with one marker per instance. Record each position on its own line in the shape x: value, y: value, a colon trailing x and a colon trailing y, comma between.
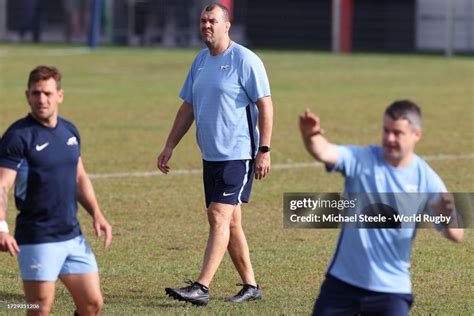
x: 247, y: 293
x: 195, y: 293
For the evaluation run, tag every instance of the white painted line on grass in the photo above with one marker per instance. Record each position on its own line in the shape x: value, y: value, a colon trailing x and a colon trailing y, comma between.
x: 280, y: 166
x: 60, y: 52
x: 142, y: 174
x: 55, y: 52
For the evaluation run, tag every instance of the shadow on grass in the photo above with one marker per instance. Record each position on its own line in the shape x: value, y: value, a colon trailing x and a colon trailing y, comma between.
x: 152, y: 301
x: 140, y: 300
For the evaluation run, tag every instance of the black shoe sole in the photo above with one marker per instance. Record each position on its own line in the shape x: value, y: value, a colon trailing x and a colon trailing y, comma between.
x: 229, y: 300
x: 178, y: 297
x: 249, y: 300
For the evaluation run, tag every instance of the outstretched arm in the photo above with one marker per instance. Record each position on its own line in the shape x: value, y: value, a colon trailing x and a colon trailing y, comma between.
x: 86, y: 197
x: 7, y: 242
x: 316, y: 144
x: 183, y: 121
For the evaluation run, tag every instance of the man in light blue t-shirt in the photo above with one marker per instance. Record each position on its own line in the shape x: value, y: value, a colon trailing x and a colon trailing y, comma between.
x: 369, y: 273
x: 226, y: 93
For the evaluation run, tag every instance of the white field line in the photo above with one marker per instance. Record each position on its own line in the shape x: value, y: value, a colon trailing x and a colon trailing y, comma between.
x: 60, y: 52
x: 56, y: 52
x: 280, y: 166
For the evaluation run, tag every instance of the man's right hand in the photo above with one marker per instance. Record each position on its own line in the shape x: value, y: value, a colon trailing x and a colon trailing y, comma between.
x: 318, y: 147
x: 163, y: 158
x: 310, y: 124
x: 8, y: 244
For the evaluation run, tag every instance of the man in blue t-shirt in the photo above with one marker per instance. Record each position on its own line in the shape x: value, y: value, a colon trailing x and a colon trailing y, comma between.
x: 226, y: 93
x: 369, y: 273
x: 40, y: 154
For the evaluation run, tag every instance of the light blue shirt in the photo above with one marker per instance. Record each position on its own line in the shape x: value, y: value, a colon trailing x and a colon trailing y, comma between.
x: 378, y: 259
x: 223, y: 90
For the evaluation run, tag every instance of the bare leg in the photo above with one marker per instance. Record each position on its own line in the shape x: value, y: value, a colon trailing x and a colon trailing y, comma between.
x: 219, y: 216
x: 85, y: 291
x: 41, y: 293
x: 239, y: 250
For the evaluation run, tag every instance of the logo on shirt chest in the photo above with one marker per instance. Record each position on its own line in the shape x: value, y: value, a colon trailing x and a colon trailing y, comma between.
x: 72, y: 141
x: 41, y: 147
x: 225, y: 67
x: 411, y: 188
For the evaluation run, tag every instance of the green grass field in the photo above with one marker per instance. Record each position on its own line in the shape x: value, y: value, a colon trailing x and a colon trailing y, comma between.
x: 124, y: 101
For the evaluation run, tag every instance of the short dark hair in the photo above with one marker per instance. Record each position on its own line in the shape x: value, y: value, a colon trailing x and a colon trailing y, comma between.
x: 42, y: 72
x: 405, y: 109
x: 224, y: 9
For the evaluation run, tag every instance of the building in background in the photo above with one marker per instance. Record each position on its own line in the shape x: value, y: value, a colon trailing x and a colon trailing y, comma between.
x: 338, y: 25
x: 433, y: 25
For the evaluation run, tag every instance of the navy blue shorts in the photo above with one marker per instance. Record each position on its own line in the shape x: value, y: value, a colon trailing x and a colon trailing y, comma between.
x: 228, y: 182
x: 339, y: 298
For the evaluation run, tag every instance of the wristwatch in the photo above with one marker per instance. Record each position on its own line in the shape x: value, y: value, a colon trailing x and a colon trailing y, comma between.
x: 264, y: 149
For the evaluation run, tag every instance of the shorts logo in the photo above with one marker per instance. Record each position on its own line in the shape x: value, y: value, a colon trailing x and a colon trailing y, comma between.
x: 227, y: 194
x: 72, y: 141
x: 35, y: 266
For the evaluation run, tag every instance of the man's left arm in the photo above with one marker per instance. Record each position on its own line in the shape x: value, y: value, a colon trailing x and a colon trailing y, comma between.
x: 265, y: 125
x: 86, y: 197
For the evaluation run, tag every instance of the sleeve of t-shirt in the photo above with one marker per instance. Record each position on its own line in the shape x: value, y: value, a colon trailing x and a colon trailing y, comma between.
x: 187, y: 90
x: 186, y: 93
x: 11, y: 151
x: 75, y: 131
x: 254, y: 78
x: 349, y: 158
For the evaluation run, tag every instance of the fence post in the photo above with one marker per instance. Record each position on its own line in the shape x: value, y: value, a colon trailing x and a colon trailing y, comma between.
x: 96, y: 16
x: 449, y: 50
x: 341, y: 26
x: 3, y: 19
